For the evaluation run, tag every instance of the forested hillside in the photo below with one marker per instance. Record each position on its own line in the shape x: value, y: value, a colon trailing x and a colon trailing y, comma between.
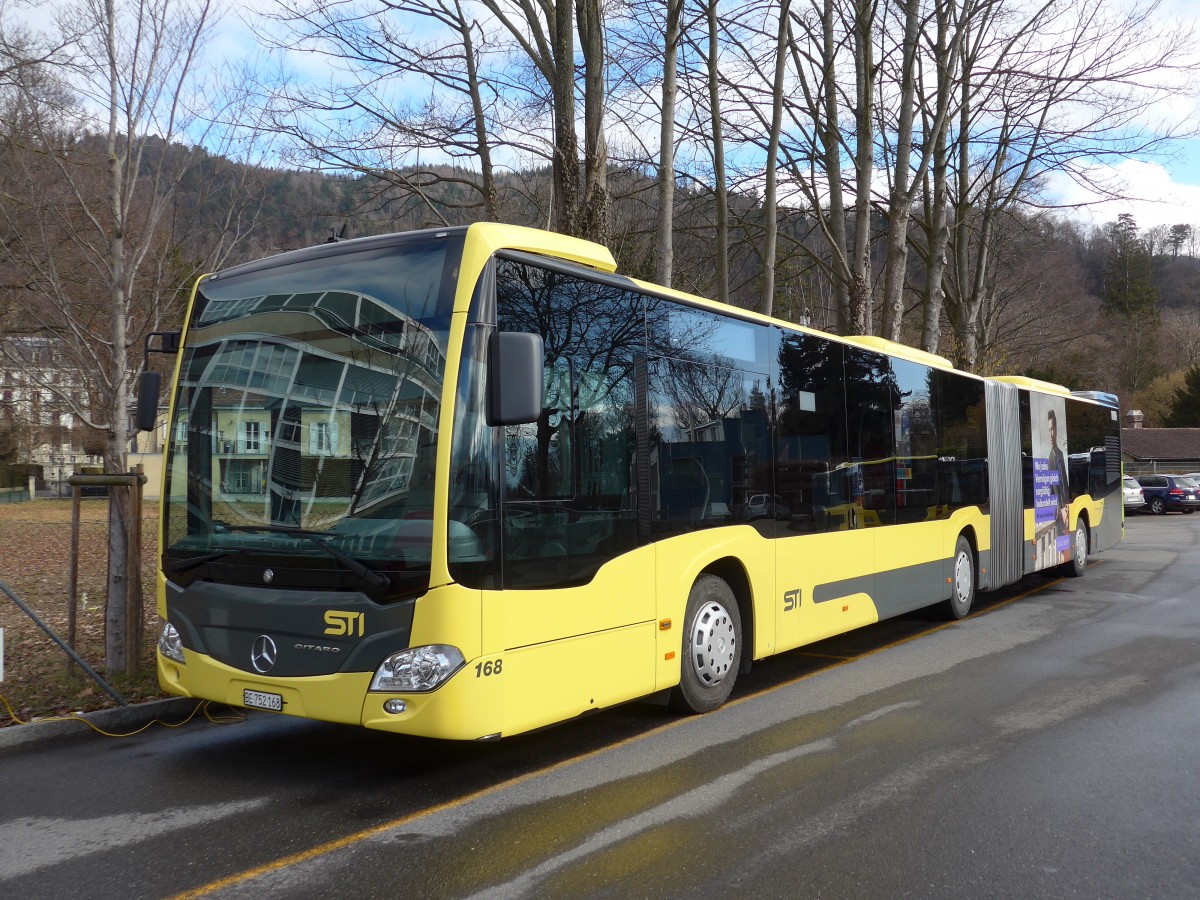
x: 1111, y: 308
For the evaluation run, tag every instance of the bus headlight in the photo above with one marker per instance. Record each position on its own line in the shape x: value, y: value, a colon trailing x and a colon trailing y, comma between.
x: 170, y: 644
x: 417, y: 669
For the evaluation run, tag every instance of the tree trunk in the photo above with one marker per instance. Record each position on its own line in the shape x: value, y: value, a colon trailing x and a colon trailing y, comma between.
x: 565, y: 167
x: 829, y: 132
x: 936, y: 225
x: 718, y: 145
x: 766, y: 301
x: 939, y: 238
x: 864, y: 167
x: 491, y: 203
x: 666, y: 150
x: 595, y: 147
x: 900, y: 202
x: 116, y: 604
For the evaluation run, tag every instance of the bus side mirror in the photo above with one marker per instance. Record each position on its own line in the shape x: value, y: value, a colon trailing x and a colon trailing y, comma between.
x: 148, y: 387
x: 515, y: 371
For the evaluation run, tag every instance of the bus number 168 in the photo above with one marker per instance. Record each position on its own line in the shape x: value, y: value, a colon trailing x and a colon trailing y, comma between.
x: 489, y: 668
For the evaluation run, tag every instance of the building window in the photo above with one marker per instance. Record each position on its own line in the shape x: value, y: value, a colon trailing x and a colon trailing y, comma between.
x: 249, y: 437
x: 322, y: 438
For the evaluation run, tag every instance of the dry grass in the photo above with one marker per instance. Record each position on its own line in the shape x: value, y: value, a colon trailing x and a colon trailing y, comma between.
x: 36, y: 542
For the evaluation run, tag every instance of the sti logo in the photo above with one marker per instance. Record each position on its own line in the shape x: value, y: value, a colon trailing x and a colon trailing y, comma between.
x: 344, y: 623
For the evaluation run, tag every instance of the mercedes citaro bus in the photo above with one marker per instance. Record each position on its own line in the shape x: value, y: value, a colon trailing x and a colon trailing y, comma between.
x: 467, y: 482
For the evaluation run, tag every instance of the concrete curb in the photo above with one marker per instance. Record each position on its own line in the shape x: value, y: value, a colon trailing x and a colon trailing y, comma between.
x: 121, y: 720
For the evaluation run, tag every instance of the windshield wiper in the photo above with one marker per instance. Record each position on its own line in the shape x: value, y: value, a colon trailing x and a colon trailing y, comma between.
x: 183, y: 565
x: 370, y: 576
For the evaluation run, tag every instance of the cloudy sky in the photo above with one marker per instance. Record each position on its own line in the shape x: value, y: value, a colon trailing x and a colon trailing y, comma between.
x: 1165, y: 192
x: 1164, y: 189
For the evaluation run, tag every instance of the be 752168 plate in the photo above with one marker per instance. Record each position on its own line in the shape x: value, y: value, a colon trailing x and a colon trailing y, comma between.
x: 262, y: 700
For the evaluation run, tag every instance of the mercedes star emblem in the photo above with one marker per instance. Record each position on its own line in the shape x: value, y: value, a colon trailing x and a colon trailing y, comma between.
x: 263, y: 653
x: 269, y: 575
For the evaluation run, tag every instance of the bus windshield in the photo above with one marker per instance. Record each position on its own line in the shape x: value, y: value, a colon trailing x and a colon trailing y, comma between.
x: 305, y: 422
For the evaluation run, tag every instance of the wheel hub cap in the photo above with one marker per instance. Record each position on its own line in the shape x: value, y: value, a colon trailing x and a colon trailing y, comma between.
x: 962, y: 578
x: 714, y: 643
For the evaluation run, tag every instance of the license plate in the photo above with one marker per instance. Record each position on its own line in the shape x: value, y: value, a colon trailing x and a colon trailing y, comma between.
x: 261, y: 700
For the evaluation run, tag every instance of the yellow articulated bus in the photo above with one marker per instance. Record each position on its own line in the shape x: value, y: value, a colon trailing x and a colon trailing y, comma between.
x: 469, y: 482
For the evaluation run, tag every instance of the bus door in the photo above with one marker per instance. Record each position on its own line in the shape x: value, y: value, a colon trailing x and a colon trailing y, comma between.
x: 574, y: 619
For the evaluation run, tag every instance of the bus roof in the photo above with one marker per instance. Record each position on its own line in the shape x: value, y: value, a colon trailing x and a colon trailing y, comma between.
x: 547, y: 243
x: 1034, y: 384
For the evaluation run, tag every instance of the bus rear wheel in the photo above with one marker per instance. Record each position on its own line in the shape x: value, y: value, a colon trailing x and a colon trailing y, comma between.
x: 712, y: 647
x: 1079, y: 553
x: 962, y: 587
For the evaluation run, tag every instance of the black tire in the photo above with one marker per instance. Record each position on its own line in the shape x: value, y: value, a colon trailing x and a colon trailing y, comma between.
x: 963, y: 582
x: 1188, y: 512
x: 1158, y: 507
x: 711, y: 647
x: 1079, y: 552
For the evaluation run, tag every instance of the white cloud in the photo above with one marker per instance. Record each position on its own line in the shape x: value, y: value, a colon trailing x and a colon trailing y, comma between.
x: 1155, y: 196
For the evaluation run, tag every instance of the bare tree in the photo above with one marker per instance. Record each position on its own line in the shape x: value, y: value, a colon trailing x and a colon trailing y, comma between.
x: 830, y: 147
x: 907, y: 178
x: 88, y: 209
x: 545, y: 33
x: 771, y: 173
x: 1051, y: 90
x: 666, y: 152
x: 717, y: 134
x: 363, y: 123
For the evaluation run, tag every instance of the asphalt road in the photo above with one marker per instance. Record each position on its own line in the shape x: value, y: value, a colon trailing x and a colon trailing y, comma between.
x: 1045, y: 747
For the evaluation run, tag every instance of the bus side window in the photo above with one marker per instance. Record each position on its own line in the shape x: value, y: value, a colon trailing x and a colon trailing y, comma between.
x: 538, y: 459
x: 810, y: 444
x: 569, y: 504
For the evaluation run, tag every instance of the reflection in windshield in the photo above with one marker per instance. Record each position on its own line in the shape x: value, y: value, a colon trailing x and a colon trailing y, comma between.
x: 308, y: 400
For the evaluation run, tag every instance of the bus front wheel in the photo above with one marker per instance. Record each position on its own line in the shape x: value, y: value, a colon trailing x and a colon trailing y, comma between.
x: 712, y: 647
x: 962, y: 587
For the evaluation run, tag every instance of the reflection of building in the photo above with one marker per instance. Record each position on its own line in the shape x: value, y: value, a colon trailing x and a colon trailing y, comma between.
x: 338, y: 411
x: 35, y: 376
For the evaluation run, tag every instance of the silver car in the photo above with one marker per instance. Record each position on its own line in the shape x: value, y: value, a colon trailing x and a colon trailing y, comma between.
x: 1134, y: 498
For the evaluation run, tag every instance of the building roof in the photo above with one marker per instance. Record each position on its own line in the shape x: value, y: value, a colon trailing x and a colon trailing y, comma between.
x: 1161, y: 444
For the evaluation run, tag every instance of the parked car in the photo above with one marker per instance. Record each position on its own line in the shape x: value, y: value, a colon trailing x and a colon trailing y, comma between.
x: 1165, y: 493
x: 1134, y: 498
x: 768, y: 506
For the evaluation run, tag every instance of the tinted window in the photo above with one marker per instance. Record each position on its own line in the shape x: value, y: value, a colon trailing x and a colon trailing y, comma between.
x: 918, y: 444
x: 569, y: 494
x: 1093, y: 435
x: 810, y: 446
x: 705, y: 337
x: 962, y: 454
x: 709, y: 445
x: 474, y: 528
x: 870, y: 397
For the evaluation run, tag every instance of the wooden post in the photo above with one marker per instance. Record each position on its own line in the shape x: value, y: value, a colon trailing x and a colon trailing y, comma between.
x: 133, y: 603
x: 73, y: 575
x: 132, y: 482
x: 133, y: 596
